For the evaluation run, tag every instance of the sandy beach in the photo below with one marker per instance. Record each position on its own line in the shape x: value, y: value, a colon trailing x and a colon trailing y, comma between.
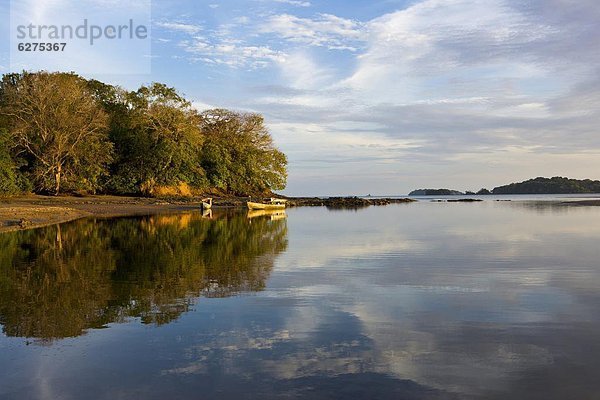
x: 33, y: 211
x: 36, y: 211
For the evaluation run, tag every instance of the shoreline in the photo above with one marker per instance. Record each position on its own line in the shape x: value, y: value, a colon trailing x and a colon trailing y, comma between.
x: 35, y: 211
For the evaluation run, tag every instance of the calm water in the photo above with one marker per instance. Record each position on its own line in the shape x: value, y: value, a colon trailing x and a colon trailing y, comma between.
x: 428, y: 300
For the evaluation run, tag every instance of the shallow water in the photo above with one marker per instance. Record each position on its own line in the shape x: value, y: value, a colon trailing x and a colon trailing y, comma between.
x: 412, y: 301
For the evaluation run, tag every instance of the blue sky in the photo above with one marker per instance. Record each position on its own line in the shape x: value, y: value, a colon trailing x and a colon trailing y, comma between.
x: 383, y: 97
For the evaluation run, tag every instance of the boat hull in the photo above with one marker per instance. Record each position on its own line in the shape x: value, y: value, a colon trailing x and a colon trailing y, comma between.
x: 262, y: 206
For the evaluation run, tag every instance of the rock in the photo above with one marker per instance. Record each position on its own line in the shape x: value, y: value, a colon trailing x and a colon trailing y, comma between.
x: 435, y: 192
x: 344, y: 202
x: 463, y: 200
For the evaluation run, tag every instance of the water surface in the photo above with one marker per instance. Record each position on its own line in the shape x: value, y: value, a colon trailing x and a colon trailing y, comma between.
x: 413, y: 301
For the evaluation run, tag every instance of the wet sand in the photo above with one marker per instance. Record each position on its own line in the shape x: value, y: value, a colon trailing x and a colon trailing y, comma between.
x: 35, y: 211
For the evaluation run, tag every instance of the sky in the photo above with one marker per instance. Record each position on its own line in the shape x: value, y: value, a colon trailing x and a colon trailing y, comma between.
x: 382, y: 97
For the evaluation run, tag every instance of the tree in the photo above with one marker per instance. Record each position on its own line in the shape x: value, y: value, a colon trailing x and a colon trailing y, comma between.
x: 59, y: 126
x: 239, y: 154
x: 158, y: 139
x: 68, y: 133
x: 8, y: 170
x: 553, y: 185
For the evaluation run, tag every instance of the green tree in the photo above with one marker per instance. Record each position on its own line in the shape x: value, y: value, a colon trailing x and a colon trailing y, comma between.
x: 158, y: 139
x: 59, y: 126
x: 8, y: 169
x: 68, y: 133
x: 239, y: 154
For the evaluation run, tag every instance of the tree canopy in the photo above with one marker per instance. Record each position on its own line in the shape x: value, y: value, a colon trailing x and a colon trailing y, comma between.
x: 555, y: 185
x: 62, y: 132
x: 239, y: 155
x: 158, y: 138
x: 55, y: 123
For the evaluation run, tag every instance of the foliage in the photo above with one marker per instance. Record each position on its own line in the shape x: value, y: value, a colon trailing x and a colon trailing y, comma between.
x: 556, y: 185
x: 158, y: 140
x: 70, y: 134
x: 59, y: 127
x: 12, y: 180
x: 239, y: 154
x: 435, y: 192
x: 8, y: 169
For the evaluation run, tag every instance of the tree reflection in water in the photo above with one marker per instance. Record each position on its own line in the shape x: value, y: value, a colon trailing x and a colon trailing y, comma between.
x: 58, y: 281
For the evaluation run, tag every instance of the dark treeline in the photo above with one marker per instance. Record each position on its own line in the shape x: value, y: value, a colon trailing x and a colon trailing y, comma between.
x: 62, y: 133
x: 555, y: 185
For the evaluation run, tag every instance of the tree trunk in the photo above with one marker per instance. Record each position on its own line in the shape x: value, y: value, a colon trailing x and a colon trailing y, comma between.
x: 57, y: 177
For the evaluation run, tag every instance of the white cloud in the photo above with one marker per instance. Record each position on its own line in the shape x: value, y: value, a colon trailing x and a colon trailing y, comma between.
x: 326, y: 30
x: 222, y: 46
x: 181, y: 27
x: 231, y: 54
x: 443, y: 40
x: 202, y: 106
x: 297, y: 3
x: 476, y: 83
x: 301, y: 71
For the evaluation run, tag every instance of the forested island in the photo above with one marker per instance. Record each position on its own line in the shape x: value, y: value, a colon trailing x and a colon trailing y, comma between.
x: 62, y: 133
x: 555, y: 185
x: 445, y: 192
x: 435, y: 192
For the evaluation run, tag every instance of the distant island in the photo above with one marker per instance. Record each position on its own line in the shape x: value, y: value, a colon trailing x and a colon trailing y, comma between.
x: 555, y: 185
x: 435, y: 192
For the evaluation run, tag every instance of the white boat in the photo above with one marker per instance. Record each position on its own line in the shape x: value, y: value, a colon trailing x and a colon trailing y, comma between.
x: 273, y: 204
x: 207, y: 203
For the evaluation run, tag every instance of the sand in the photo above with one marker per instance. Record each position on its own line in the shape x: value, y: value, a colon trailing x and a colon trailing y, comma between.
x: 35, y: 211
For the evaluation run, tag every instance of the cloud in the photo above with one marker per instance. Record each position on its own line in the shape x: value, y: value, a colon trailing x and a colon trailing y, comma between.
x: 435, y: 42
x: 181, y: 27
x: 203, y: 106
x: 488, y: 84
x: 301, y: 71
x: 325, y: 30
x: 218, y: 47
x: 297, y: 3
x: 468, y: 80
x: 231, y: 54
x: 221, y: 45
